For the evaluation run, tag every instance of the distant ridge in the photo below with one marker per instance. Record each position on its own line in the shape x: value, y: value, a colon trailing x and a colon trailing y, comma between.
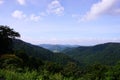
x: 57, y: 47
x: 107, y: 53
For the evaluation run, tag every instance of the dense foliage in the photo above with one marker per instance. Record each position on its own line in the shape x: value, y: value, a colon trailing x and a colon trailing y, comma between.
x: 29, y: 62
x: 15, y: 67
x: 6, y: 36
x: 108, y: 53
x: 39, y: 52
x: 31, y: 68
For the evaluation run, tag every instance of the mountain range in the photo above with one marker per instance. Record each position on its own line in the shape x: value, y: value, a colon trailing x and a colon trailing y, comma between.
x: 41, y: 53
x: 57, y: 47
x: 107, y: 53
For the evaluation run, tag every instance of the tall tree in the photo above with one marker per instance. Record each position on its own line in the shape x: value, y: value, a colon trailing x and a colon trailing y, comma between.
x: 6, y: 36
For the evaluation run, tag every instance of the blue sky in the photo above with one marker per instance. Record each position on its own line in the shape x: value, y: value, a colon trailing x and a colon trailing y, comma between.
x: 83, y: 22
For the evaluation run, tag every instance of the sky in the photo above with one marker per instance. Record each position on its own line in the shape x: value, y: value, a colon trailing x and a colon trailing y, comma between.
x: 81, y: 22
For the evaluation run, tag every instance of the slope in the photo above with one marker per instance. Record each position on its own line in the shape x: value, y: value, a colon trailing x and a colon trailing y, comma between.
x: 39, y: 52
x: 108, y: 53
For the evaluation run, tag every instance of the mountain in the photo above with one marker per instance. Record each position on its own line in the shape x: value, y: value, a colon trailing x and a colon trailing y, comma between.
x: 39, y: 52
x: 107, y: 53
x: 57, y: 47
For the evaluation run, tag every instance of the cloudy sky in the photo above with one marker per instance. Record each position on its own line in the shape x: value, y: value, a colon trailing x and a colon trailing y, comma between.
x: 83, y: 22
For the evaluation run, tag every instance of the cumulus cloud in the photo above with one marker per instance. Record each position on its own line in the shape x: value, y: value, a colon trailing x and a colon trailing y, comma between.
x: 21, y: 2
x: 18, y: 14
x: 55, y: 8
x: 1, y: 1
x: 101, y: 8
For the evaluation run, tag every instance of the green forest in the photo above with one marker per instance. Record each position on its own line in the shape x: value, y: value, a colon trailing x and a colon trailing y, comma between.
x: 23, y: 61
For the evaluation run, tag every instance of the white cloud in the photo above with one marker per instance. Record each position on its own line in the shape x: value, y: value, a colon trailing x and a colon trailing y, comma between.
x: 100, y: 8
x: 18, y: 14
x: 1, y: 1
x: 55, y: 8
x: 31, y: 17
x: 35, y: 18
x: 21, y: 2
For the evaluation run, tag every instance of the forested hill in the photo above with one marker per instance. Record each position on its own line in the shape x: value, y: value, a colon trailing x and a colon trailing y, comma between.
x: 31, y: 50
x: 39, y: 52
x: 108, y: 53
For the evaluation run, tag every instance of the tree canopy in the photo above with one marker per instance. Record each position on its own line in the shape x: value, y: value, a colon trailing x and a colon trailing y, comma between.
x: 6, y: 36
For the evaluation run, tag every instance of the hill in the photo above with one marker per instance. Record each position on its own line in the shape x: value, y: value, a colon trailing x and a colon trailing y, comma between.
x: 42, y: 53
x: 108, y: 53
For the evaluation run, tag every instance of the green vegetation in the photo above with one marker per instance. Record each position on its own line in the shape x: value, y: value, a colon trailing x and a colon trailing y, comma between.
x: 22, y: 67
x: 108, y: 53
x: 41, y: 53
x: 6, y: 36
x: 24, y: 61
x: 68, y: 72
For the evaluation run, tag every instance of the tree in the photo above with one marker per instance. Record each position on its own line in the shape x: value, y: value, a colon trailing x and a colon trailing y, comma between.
x: 71, y: 69
x: 6, y: 36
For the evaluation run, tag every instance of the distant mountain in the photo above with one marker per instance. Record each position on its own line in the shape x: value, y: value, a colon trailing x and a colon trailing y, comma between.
x: 108, y: 53
x: 39, y: 52
x: 57, y: 47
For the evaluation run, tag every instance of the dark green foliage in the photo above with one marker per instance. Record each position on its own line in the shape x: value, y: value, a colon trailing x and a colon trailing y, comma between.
x: 39, y: 52
x: 71, y: 69
x: 32, y: 68
x: 68, y: 72
x: 6, y: 32
x: 22, y: 55
x: 53, y: 67
x: 32, y: 50
x: 10, y: 61
x: 61, y: 58
x: 15, y: 66
x: 34, y: 63
x: 108, y: 54
x: 29, y: 61
x: 6, y: 36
